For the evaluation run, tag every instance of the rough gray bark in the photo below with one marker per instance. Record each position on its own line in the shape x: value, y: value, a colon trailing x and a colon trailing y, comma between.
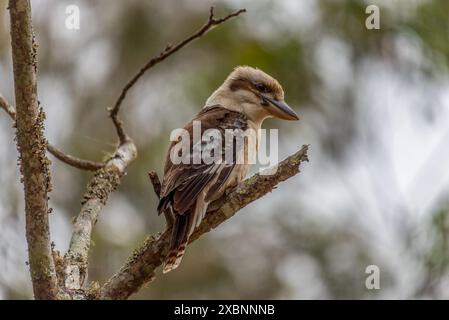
x: 31, y: 145
x: 105, y: 181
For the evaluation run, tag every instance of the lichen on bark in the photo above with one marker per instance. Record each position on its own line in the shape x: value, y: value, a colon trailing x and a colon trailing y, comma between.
x: 31, y: 144
x: 104, y: 182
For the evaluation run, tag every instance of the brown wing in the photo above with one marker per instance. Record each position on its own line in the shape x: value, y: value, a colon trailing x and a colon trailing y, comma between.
x: 184, y: 182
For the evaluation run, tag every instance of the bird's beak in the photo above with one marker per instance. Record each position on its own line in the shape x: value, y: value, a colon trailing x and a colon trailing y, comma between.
x: 280, y: 109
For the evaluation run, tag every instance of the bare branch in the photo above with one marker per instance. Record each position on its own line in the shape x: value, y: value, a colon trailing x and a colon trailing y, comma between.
x: 73, y: 161
x: 168, y: 51
x: 140, y: 267
x: 7, y: 107
x: 105, y: 181
x: 68, y: 159
x: 31, y: 145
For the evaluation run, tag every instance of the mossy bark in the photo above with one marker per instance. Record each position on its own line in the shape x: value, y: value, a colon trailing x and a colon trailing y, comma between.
x: 104, y: 182
x: 31, y: 144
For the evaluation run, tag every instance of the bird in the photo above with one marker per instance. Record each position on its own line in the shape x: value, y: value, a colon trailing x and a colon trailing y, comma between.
x: 245, y: 99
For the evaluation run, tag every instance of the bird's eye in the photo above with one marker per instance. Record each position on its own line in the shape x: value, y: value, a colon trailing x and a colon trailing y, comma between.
x: 261, y: 87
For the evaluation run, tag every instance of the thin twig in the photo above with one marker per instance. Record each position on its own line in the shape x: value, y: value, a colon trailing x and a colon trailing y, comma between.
x: 155, y: 182
x: 140, y: 267
x: 168, y: 51
x: 7, y: 107
x: 58, y: 154
x: 73, y: 161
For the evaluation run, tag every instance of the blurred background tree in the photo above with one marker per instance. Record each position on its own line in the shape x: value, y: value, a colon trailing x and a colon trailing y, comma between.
x: 374, y: 106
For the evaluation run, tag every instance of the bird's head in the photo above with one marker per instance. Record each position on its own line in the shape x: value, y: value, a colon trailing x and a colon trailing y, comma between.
x: 254, y: 93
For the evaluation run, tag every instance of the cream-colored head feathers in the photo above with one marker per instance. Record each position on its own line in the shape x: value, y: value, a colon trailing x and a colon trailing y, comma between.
x: 254, y: 93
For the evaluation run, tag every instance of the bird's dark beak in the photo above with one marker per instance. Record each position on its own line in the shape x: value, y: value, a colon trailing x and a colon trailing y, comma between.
x: 280, y: 109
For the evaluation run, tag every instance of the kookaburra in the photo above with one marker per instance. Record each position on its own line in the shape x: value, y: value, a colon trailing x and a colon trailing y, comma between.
x: 243, y: 101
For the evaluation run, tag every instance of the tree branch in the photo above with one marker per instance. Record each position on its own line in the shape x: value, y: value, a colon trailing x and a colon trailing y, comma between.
x: 31, y: 145
x: 105, y: 181
x: 155, y: 182
x: 74, y: 161
x: 7, y: 107
x: 68, y: 159
x: 168, y: 51
x: 140, y: 267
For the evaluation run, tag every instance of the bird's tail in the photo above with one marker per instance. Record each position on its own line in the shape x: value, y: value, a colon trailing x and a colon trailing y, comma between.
x: 178, y: 243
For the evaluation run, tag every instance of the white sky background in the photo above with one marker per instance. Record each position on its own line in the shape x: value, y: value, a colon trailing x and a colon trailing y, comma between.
x: 396, y: 170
